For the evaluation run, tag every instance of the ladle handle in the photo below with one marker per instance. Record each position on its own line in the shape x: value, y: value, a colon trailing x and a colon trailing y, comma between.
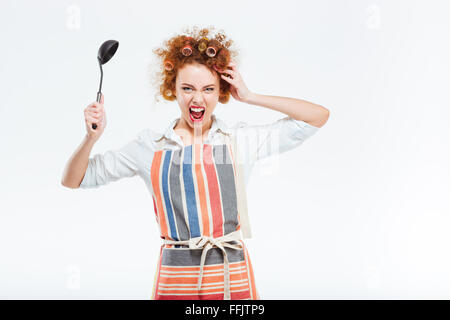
x: 99, y: 96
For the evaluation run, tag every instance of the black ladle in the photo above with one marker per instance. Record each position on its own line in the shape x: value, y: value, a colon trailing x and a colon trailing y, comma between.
x: 105, y: 53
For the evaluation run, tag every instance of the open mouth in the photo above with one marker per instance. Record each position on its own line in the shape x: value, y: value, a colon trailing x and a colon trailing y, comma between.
x: 196, y: 113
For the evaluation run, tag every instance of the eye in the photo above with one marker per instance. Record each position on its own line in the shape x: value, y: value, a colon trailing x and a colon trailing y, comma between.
x: 212, y: 89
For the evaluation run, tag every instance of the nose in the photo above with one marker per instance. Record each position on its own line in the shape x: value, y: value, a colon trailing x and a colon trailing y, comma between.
x: 198, y: 99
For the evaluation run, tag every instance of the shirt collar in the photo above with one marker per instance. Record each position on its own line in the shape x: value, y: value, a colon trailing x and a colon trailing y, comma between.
x: 217, y: 124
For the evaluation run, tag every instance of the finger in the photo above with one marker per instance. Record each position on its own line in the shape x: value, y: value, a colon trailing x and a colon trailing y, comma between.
x: 217, y: 69
x: 93, y: 116
x: 232, y: 64
x: 224, y: 77
x: 102, y: 99
x: 92, y: 120
x: 98, y: 107
x: 230, y: 72
x: 232, y: 69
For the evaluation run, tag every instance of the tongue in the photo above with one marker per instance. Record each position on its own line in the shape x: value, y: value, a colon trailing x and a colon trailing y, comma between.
x: 197, y: 115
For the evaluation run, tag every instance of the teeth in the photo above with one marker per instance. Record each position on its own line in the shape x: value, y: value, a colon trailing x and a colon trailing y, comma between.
x: 197, y: 109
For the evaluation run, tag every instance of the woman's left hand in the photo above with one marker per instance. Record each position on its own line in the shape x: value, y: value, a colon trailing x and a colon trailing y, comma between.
x: 238, y: 89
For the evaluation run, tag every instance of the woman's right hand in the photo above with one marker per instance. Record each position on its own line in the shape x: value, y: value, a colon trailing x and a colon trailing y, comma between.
x: 95, y: 113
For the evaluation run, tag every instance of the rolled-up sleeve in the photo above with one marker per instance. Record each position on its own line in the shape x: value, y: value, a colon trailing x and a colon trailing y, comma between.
x: 265, y: 140
x: 113, y: 164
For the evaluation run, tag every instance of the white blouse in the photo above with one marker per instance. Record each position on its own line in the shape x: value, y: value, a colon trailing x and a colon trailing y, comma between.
x: 255, y: 142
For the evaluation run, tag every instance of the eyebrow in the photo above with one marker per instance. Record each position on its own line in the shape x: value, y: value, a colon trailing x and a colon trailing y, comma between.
x: 209, y: 85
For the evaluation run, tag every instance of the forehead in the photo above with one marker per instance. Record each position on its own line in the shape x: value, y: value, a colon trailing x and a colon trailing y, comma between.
x: 197, y: 74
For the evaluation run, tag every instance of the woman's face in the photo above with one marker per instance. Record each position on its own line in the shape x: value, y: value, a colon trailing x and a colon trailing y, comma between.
x: 197, y: 87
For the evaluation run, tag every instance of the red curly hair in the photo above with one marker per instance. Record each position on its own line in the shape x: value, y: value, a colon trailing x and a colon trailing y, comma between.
x: 198, y: 46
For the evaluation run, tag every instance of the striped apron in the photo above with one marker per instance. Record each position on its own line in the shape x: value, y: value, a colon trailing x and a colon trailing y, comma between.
x: 200, y: 207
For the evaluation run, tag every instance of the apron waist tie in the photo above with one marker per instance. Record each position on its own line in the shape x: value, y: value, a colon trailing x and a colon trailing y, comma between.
x: 207, y: 243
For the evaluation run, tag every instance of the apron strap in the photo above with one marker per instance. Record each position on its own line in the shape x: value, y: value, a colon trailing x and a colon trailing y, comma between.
x: 240, y: 190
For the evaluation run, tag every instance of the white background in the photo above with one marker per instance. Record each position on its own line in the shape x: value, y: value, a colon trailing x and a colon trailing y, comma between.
x: 359, y: 211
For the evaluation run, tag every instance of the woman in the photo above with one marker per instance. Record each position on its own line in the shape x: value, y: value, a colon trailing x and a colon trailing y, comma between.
x: 197, y: 169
